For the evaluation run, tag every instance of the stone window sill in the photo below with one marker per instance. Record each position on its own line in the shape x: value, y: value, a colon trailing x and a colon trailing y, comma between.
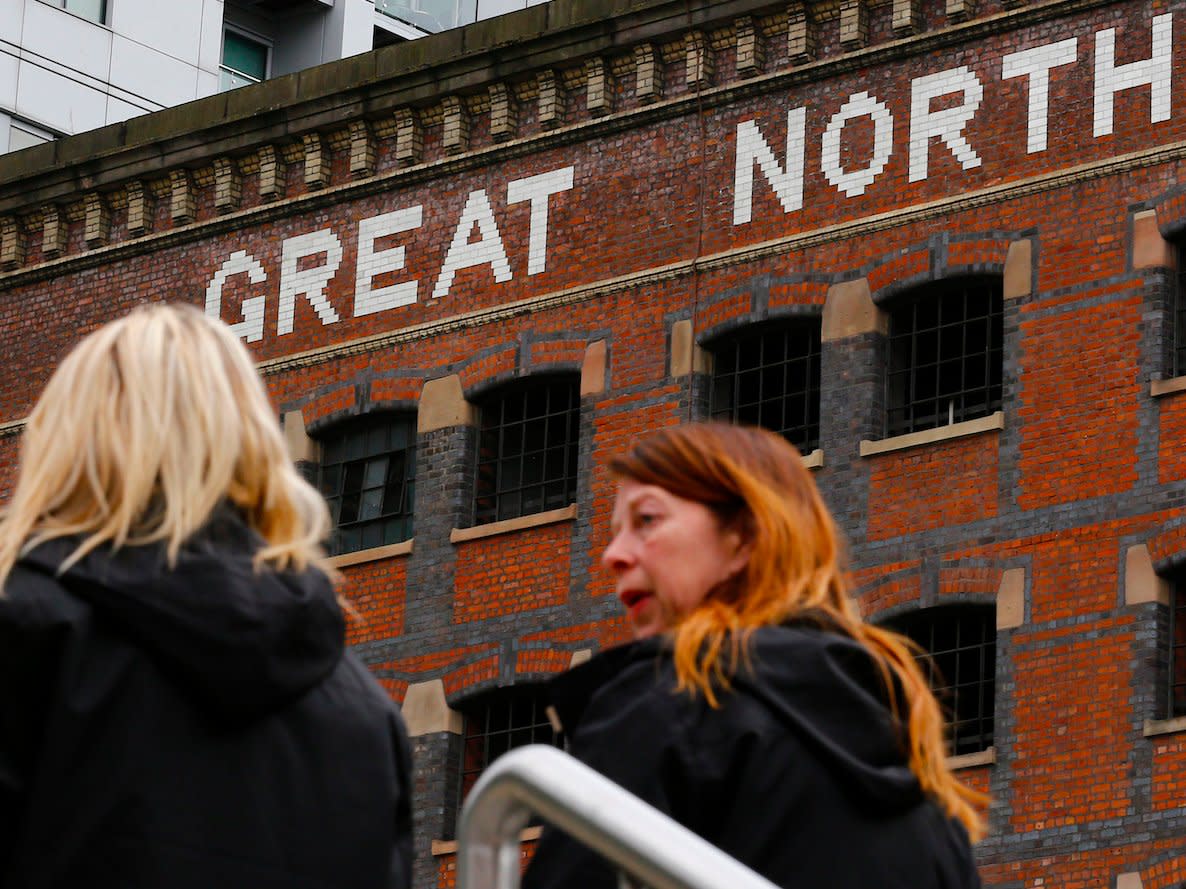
x: 390, y: 551
x: 814, y: 460
x: 506, y: 526
x: 1155, y: 727
x: 1158, y: 388
x: 992, y: 423
x: 971, y: 760
x: 448, y: 847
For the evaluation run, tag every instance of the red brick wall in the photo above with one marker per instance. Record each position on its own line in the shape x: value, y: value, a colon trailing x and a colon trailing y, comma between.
x: 1087, y: 466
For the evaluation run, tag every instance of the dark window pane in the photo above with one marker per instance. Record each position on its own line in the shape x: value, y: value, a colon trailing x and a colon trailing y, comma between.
x: 519, y: 458
x: 501, y: 720
x: 367, y: 482
x: 945, y: 360
x: 765, y: 375
x: 960, y: 641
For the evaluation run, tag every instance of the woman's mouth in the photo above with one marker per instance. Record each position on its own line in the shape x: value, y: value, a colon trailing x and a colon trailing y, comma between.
x: 634, y: 600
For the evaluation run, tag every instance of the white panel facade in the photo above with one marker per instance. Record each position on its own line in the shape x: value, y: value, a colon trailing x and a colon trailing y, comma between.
x: 119, y: 110
x: 8, y: 72
x: 154, y: 75
x: 176, y: 33
x: 12, y: 19
x: 54, y: 34
x: 58, y: 103
x: 210, y: 44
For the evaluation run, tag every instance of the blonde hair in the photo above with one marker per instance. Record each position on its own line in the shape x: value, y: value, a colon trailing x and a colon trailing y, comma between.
x: 754, y: 481
x: 146, y: 426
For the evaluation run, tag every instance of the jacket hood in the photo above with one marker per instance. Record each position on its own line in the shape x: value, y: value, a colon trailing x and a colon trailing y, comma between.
x: 821, y: 685
x: 242, y: 642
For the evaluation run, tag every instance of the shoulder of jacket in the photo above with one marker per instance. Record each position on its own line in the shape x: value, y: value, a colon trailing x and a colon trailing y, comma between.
x: 32, y: 597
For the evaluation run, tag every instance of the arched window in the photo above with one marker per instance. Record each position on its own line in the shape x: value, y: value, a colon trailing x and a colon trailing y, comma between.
x: 527, y: 448
x: 368, y: 477
x: 500, y: 720
x: 769, y: 376
x: 945, y: 354
x: 961, y: 643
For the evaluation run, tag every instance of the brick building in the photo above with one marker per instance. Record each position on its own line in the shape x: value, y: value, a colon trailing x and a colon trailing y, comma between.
x: 935, y: 243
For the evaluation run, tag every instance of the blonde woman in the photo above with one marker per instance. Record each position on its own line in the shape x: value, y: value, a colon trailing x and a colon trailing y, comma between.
x: 755, y: 707
x: 176, y: 705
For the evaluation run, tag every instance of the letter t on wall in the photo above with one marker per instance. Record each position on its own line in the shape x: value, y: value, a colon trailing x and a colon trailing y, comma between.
x: 1036, y: 64
x: 538, y: 189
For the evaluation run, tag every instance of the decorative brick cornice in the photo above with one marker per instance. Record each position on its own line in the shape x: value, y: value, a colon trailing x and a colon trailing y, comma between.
x: 378, y: 104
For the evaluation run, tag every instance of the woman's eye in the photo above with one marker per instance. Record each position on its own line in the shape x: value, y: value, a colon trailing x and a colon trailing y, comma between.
x: 645, y: 518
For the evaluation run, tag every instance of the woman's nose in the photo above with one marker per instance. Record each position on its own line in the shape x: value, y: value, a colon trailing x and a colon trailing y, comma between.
x: 615, y: 555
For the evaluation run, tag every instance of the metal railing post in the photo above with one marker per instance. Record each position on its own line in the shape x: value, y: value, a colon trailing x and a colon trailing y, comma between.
x: 639, y: 839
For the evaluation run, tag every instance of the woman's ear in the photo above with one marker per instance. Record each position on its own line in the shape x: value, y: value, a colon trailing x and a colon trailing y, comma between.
x: 738, y: 541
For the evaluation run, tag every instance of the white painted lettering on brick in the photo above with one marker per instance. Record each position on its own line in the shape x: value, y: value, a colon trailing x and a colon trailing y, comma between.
x: 309, y: 282
x: 1154, y: 71
x: 854, y: 182
x: 1036, y: 64
x: 538, y: 189
x: 240, y: 262
x: 948, y: 123
x: 369, y: 299
x: 752, y: 149
x: 488, y: 250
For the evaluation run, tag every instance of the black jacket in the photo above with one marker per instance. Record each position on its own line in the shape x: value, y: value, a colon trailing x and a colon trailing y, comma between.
x: 800, y: 774
x: 192, y: 728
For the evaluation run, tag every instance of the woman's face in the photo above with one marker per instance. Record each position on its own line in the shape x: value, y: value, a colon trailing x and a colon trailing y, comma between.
x: 666, y: 554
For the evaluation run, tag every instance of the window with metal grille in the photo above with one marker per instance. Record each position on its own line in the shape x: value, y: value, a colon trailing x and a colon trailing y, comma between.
x: 769, y: 376
x: 961, y: 641
x: 945, y: 356
x: 1178, y: 309
x: 368, y: 477
x: 527, y: 449
x: 1177, y: 690
x: 501, y: 720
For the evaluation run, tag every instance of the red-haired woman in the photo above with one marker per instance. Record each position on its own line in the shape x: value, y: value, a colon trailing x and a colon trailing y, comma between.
x: 755, y: 707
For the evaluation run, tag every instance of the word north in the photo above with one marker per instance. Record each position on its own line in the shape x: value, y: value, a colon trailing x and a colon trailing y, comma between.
x: 962, y: 93
x: 302, y: 276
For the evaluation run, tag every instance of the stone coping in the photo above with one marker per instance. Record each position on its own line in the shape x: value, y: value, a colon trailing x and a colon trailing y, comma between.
x: 1158, y: 388
x: 971, y: 760
x: 992, y: 423
x: 449, y: 847
x: 374, y: 554
x: 506, y: 526
x: 1154, y: 727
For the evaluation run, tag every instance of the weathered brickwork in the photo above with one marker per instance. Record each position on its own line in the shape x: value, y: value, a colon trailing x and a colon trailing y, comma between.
x: 416, y: 227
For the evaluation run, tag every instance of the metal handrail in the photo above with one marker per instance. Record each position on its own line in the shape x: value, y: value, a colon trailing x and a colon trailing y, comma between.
x: 638, y: 838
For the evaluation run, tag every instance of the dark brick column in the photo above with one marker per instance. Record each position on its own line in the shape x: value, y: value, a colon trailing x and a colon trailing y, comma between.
x: 852, y: 398
x: 446, y: 441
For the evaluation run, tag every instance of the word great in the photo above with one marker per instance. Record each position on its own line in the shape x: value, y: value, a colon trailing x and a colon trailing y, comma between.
x: 298, y: 277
